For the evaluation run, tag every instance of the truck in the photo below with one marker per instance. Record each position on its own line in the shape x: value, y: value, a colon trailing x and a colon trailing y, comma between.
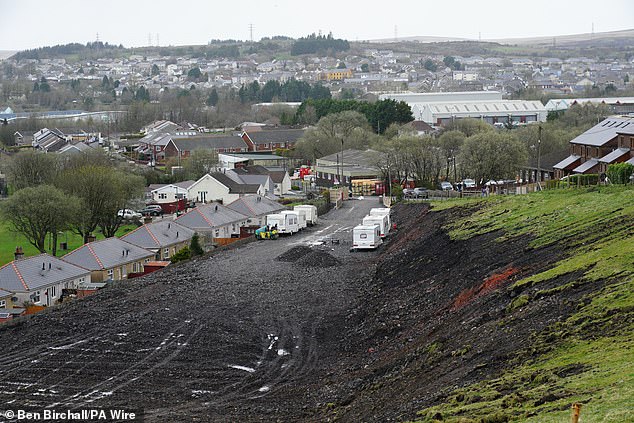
x: 366, y: 237
x: 382, y: 221
x: 284, y: 223
x: 310, y: 211
x: 382, y: 211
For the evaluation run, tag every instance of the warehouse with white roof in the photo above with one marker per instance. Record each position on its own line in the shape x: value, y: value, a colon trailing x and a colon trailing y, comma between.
x: 442, y: 108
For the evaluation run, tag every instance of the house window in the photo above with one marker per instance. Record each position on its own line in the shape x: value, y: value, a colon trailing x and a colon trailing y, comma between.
x: 166, y: 253
x: 53, y: 291
x: 110, y: 274
x: 35, y: 297
x: 217, y: 233
x: 3, y: 303
x: 162, y: 196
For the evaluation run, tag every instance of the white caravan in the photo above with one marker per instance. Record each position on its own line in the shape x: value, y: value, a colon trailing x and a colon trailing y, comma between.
x: 285, y: 223
x: 300, y: 218
x: 311, y: 213
x: 383, y: 211
x: 382, y: 221
x: 366, y: 237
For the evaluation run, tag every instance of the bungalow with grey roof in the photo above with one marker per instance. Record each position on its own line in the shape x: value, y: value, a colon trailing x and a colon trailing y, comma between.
x: 256, y: 208
x: 281, y: 179
x: 164, y: 238
x: 39, y: 280
x: 216, y: 224
x: 110, y: 259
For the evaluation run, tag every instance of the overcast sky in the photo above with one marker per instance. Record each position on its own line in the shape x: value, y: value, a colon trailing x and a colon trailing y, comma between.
x: 37, y: 23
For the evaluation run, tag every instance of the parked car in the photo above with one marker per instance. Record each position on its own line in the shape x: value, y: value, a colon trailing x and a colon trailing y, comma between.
x: 151, y: 210
x: 128, y: 214
x: 468, y: 183
x: 421, y: 193
x: 446, y: 186
x: 408, y: 193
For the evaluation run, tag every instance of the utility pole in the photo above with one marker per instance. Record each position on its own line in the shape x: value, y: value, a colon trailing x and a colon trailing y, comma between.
x: 342, y: 162
x: 539, y: 156
x: 251, y: 32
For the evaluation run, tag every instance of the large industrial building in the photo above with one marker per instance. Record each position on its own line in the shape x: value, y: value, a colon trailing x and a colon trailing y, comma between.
x: 442, y: 108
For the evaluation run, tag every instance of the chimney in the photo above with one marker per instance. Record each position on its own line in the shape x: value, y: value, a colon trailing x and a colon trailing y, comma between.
x: 18, y: 253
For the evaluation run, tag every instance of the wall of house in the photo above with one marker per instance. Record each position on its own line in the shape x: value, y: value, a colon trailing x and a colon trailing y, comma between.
x: 118, y: 273
x: 169, y: 251
x: 207, y: 189
x: 48, y: 295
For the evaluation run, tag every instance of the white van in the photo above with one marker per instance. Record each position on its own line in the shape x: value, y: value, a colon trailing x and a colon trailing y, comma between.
x: 384, y: 228
x: 300, y: 218
x: 366, y: 237
x: 285, y: 223
x: 311, y: 213
x: 382, y: 211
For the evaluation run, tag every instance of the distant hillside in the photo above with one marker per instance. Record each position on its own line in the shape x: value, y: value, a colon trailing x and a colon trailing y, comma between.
x: 564, y: 39
x: 535, y: 41
x: 6, y: 53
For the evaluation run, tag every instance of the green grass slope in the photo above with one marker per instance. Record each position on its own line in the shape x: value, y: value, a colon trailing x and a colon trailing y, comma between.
x: 587, y: 358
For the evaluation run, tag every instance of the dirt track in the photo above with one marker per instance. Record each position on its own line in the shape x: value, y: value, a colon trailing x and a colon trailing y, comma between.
x: 317, y: 335
x: 238, y: 335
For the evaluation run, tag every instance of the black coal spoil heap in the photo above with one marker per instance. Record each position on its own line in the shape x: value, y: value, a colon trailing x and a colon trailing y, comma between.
x: 308, y: 257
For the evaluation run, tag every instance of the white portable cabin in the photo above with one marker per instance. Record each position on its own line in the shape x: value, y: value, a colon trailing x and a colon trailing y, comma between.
x: 366, y: 237
x: 311, y: 213
x: 382, y: 211
x: 299, y: 217
x: 382, y: 221
x: 286, y: 223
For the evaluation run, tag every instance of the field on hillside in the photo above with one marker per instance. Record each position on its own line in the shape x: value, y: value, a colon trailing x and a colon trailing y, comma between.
x: 588, y: 356
x: 9, y: 240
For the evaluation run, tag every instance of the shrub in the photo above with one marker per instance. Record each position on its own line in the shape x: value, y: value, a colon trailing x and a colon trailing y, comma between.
x: 183, y: 254
x: 195, y: 247
x: 619, y: 173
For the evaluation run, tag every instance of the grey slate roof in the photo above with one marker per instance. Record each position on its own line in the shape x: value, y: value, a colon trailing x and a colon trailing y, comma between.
x: 276, y: 135
x: 35, y: 272
x: 209, y: 143
x: 586, y: 166
x: 4, y: 293
x: 106, y: 254
x: 235, y: 187
x: 255, y: 206
x: 603, y: 132
x: 611, y: 157
x: 159, y: 234
x: 210, y: 216
x: 277, y: 176
x: 567, y: 161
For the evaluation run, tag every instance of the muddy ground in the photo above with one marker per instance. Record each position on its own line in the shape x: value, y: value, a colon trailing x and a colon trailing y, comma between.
x: 297, y: 329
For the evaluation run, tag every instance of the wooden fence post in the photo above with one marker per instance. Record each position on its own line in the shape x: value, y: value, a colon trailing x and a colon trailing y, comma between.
x: 576, y: 411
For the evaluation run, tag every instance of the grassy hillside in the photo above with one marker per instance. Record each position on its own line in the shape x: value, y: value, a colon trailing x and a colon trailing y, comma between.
x: 588, y: 357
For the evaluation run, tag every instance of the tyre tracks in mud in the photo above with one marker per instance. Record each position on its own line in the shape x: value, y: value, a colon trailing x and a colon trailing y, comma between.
x: 239, y: 333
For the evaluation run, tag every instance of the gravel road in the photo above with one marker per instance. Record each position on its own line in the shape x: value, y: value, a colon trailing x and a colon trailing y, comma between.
x: 239, y: 335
